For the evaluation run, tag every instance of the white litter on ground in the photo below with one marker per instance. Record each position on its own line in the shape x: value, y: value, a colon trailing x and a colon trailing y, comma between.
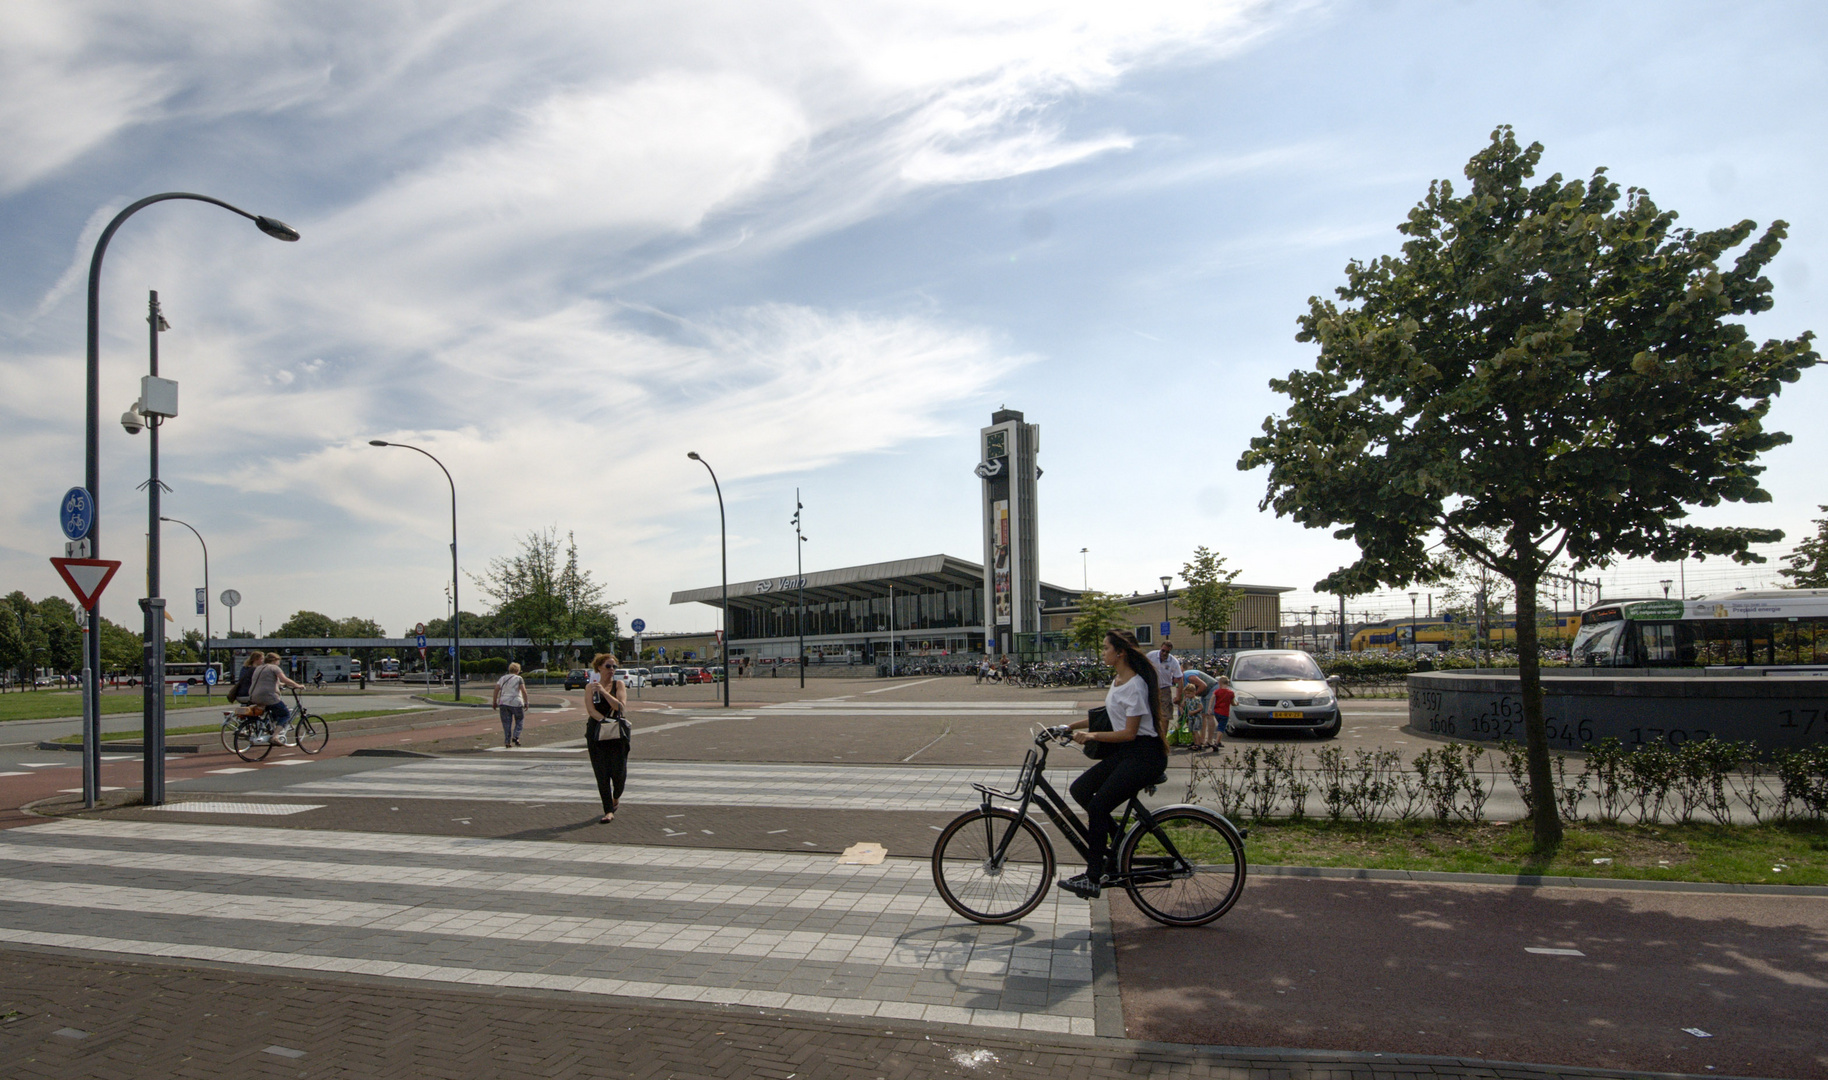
x: 864, y: 854
x: 974, y: 1059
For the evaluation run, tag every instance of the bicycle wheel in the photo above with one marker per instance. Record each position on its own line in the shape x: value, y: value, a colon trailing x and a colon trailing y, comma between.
x: 1187, y: 871
x: 246, y: 747
x: 986, y: 893
x: 229, y: 728
x: 310, y: 733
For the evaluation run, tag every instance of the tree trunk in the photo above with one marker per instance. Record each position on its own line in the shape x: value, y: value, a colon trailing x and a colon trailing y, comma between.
x: 1544, y: 816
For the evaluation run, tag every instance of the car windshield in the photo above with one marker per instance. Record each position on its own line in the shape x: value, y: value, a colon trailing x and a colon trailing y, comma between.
x: 1276, y: 667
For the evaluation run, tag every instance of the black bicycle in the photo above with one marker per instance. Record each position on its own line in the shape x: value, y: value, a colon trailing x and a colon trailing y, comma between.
x: 1182, y: 865
x: 251, y: 737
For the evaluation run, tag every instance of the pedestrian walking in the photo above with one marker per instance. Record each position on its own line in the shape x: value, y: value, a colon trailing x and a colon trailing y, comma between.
x: 606, y: 733
x: 511, y: 699
x: 1136, y: 754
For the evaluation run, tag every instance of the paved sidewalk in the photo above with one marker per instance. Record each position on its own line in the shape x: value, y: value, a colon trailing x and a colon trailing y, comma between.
x: 69, y: 1017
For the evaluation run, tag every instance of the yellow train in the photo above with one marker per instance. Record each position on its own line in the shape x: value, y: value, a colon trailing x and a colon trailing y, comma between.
x: 1394, y: 635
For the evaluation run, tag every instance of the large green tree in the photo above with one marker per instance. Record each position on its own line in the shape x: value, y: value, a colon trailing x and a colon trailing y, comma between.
x: 1210, y: 599
x: 1099, y: 613
x: 544, y: 595
x: 1556, y: 363
x: 1808, y: 564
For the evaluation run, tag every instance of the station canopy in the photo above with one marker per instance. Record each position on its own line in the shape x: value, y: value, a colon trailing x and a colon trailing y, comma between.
x: 934, y: 572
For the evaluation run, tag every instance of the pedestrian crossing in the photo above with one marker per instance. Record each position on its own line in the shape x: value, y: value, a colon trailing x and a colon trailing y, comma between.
x: 823, y: 787
x: 768, y: 929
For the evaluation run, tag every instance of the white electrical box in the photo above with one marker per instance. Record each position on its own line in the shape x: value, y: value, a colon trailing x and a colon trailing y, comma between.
x: 158, y: 397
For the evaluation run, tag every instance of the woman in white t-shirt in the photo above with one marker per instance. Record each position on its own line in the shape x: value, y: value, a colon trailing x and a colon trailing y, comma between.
x: 1137, y: 760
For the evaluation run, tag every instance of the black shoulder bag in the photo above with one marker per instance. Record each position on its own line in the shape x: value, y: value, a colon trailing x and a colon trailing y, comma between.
x: 1097, y: 720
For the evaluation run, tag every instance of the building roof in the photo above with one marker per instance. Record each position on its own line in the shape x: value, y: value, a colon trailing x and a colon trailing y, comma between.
x: 856, y: 582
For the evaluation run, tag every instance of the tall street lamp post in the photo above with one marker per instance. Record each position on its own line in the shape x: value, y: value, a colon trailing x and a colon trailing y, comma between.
x: 799, y: 565
x: 723, y: 545
x: 456, y: 606
x: 1085, y: 571
x: 92, y: 650
x: 206, y: 653
x: 158, y: 402
x: 1415, y: 648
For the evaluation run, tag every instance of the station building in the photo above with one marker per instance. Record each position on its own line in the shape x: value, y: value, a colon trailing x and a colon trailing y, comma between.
x: 930, y: 606
x: 939, y: 612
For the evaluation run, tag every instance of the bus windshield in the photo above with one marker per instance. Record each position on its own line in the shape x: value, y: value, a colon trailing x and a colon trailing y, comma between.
x: 1594, y: 644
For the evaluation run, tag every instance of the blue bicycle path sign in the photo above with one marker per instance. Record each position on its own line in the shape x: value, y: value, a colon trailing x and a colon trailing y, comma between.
x: 76, y: 513
x: 638, y: 625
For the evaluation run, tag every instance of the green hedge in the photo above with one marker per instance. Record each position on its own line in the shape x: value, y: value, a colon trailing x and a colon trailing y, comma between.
x: 492, y: 665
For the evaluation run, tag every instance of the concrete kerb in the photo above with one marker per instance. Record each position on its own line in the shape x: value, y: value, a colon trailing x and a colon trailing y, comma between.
x: 120, y: 747
x: 1537, y: 881
x: 1266, y: 1058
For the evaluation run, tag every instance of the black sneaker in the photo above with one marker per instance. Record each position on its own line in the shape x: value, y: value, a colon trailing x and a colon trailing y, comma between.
x: 1081, y: 886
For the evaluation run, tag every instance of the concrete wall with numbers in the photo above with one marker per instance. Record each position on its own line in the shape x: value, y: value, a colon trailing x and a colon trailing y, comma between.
x: 1776, y: 712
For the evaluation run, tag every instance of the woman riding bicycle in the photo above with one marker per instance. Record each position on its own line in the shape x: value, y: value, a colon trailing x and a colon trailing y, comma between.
x: 1136, y: 759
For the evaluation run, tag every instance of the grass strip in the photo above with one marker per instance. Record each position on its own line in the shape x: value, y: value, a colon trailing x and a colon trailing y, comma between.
x: 442, y: 698
x: 1792, y: 853
x: 57, y: 704
x: 202, y: 729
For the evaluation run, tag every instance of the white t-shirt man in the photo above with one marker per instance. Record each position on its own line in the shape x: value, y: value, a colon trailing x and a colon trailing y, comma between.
x: 1167, y: 668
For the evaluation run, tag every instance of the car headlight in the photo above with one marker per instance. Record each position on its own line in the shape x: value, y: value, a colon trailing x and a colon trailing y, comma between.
x: 1245, y: 699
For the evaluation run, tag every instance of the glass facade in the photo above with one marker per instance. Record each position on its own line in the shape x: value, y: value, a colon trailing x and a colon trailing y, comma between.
x: 956, y: 606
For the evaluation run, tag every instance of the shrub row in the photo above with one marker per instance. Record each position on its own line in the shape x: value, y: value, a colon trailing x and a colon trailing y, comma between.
x: 1453, y: 782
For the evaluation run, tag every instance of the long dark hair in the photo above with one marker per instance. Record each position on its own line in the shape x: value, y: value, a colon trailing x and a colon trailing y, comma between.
x: 1125, y: 642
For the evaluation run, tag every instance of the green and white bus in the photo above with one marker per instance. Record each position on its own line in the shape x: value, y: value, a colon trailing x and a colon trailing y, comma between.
x: 1782, y: 628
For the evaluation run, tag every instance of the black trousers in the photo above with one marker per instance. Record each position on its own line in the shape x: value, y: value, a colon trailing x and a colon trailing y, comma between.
x: 1108, y: 784
x: 609, y: 760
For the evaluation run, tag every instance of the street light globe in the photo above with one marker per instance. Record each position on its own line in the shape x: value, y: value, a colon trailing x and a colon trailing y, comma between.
x: 275, y: 228
x: 693, y: 454
x: 377, y: 442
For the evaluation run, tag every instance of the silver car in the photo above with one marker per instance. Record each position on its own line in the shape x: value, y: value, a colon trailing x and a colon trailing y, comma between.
x: 1282, y: 689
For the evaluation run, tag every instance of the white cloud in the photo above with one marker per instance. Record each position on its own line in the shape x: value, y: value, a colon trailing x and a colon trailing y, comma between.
x: 489, y: 193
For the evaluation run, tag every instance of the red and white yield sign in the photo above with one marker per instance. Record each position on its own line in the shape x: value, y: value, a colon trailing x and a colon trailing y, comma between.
x: 86, y: 577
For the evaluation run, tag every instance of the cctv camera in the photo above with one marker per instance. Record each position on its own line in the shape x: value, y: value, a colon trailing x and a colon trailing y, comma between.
x: 132, y: 421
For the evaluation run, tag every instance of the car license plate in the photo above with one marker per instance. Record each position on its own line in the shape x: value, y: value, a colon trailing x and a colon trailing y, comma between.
x: 1280, y: 715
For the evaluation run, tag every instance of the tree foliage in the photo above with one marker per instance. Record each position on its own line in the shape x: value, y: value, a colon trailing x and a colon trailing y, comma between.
x: 1808, y: 564
x: 544, y: 595
x: 1099, y: 613
x: 306, y: 624
x: 1554, y: 365
x: 63, y: 635
x: 14, y: 652
x: 1210, y: 599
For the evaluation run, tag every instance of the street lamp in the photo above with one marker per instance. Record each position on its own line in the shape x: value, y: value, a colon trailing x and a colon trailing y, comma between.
x: 92, y: 652
x: 800, y: 570
x: 456, y: 606
x: 206, y: 653
x: 724, y: 549
x: 1085, y: 573
x: 1666, y: 583
x: 1415, y: 648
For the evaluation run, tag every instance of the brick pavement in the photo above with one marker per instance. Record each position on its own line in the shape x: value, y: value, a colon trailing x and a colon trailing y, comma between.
x: 65, y: 1017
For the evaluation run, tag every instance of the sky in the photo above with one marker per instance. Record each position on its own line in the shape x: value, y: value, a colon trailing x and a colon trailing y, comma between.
x: 560, y: 245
